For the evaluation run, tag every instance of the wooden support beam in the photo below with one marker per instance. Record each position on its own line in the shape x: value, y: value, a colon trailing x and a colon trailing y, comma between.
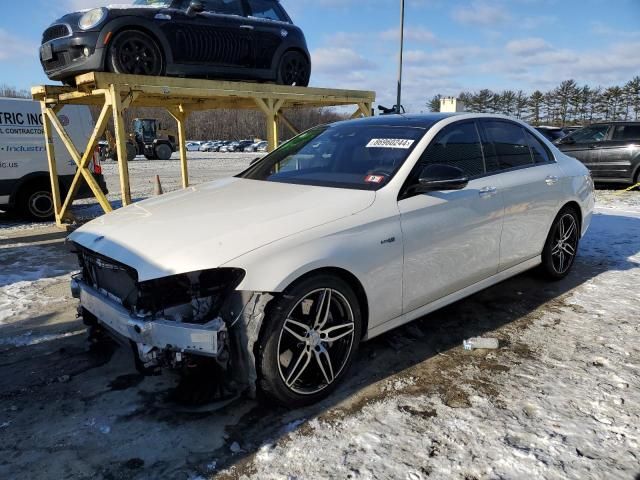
x: 98, y: 131
x: 115, y: 99
x: 51, y: 159
x: 180, y: 115
x: 289, y: 125
x: 268, y: 106
x: 77, y: 158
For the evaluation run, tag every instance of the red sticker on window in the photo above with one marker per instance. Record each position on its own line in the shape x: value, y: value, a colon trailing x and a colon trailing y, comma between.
x: 374, y: 178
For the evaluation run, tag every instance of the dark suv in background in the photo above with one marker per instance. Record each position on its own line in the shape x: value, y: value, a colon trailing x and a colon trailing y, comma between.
x: 610, y: 150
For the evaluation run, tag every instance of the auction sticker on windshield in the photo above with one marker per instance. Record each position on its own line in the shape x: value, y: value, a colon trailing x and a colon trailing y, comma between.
x: 402, y: 143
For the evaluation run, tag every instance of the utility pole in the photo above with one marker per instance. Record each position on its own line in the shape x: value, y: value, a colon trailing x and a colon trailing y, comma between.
x: 399, y: 103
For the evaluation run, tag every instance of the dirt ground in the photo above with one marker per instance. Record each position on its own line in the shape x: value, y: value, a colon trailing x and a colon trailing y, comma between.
x: 68, y: 412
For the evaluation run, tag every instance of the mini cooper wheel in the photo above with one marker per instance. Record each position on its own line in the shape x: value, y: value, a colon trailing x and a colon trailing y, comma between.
x: 294, y: 69
x: 310, y: 336
x: 135, y: 53
x: 561, y: 247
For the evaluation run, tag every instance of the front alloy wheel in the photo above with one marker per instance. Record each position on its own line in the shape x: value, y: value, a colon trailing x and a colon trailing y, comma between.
x: 135, y: 53
x: 309, y: 341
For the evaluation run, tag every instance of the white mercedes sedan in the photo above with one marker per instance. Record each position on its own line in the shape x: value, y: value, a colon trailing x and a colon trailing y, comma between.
x: 341, y: 234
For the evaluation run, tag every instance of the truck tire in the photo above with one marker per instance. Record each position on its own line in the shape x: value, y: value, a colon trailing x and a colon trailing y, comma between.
x: 163, y: 151
x: 132, y: 151
x: 35, y: 201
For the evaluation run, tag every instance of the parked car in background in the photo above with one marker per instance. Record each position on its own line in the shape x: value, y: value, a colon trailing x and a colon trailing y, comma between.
x: 236, y: 39
x: 610, y: 150
x: 242, y: 144
x: 253, y: 147
x: 345, y: 232
x: 25, y: 184
x: 262, y: 147
x: 228, y: 147
x: 193, y: 146
x: 204, y: 146
x: 552, y: 133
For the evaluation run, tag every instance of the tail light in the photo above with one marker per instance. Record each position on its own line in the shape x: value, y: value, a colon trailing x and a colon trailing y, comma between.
x: 97, y: 168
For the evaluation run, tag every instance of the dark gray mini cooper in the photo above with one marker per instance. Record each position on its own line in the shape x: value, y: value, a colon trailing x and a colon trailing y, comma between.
x: 233, y: 39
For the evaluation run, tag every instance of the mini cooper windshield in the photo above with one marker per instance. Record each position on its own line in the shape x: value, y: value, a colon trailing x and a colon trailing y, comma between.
x: 360, y: 157
x: 153, y: 3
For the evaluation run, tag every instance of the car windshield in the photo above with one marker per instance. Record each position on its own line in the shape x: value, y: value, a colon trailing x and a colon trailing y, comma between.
x: 153, y: 3
x: 346, y: 155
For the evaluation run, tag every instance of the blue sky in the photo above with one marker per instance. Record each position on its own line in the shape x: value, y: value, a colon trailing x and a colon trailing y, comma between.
x: 451, y: 45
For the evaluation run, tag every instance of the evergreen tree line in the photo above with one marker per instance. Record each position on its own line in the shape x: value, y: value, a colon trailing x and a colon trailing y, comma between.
x: 568, y: 104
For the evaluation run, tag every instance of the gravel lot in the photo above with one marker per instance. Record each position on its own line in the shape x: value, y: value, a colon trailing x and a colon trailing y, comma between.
x: 559, y: 399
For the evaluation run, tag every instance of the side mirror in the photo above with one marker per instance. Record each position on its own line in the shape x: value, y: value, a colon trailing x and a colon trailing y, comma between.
x: 195, y: 7
x: 566, y: 141
x: 441, y: 177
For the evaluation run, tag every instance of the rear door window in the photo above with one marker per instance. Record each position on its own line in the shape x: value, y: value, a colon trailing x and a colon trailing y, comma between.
x: 457, y: 145
x: 539, y: 152
x: 508, y: 146
x: 267, y: 9
x: 626, y: 132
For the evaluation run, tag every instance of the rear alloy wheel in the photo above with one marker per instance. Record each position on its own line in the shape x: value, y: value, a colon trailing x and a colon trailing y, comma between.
x: 310, y: 337
x: 294, y: 70
x: 163, y: 152
x: 37, y: 202
x: 562, y: 245
x: 135, y: 53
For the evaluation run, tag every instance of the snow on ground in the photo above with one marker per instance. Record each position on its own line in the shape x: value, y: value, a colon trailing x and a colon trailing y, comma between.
x: 571, y: 411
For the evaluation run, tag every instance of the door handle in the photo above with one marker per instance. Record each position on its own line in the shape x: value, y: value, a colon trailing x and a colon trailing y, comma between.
x: 487, y: 192
x: 551, y: 180
x: 247, y: 27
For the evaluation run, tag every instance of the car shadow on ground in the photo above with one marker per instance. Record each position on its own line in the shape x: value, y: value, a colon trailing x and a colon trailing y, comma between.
x: 431, y: 343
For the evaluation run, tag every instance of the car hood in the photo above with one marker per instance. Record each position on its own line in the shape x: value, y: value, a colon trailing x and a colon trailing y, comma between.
x: 209, y: 225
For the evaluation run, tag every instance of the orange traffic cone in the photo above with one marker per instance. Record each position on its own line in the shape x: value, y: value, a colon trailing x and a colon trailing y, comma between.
x: 157, y: 188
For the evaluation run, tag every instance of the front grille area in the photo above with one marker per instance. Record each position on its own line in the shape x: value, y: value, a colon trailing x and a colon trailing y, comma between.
x: 55, y: 31
x: 118, y: 280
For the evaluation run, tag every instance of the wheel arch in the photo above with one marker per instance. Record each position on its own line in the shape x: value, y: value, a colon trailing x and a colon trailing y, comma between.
x: 123, y: 24
x: 26, y: 181
x: 351, y: 280
x: 572, y: 204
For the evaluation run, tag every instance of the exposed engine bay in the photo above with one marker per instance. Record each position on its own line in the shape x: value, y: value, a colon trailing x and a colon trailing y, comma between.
x: 182, y: 322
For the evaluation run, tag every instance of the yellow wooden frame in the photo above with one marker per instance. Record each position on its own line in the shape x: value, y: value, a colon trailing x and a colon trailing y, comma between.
x: 180, y: 97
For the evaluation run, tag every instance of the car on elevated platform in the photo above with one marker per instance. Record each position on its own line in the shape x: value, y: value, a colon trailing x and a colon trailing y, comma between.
x: 343, y: 233
x: 221, y: 39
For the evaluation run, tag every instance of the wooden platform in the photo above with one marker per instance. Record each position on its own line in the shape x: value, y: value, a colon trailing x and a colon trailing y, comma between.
x: 180, y: 96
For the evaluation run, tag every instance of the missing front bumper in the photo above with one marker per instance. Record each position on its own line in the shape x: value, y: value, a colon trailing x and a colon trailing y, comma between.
x: 207, y: 339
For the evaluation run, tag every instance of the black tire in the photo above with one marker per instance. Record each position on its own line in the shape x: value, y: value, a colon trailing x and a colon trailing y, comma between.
x: 135, y: 53
x: 295, y: 383
x: 35, y: 201
x: 163, y: 151
x: 557, y: 259
x: 294, y: 69
x: 132, y: 151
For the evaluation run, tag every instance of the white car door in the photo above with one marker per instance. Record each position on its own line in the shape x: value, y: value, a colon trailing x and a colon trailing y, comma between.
x: 530, y: 182
x: 451, y: 238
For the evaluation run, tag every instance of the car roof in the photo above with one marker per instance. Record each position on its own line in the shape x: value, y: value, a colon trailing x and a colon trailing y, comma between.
x: 616, y: 122
x: 423, y: 120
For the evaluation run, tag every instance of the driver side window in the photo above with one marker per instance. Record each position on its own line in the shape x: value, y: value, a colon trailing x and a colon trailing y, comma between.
x: 457, y: 145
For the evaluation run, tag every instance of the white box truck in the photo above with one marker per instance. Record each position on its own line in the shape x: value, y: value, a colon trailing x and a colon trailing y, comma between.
x: 25, y: 186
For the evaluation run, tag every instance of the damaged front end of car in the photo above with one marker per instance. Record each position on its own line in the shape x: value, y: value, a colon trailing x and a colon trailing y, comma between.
x: 177, y: 321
